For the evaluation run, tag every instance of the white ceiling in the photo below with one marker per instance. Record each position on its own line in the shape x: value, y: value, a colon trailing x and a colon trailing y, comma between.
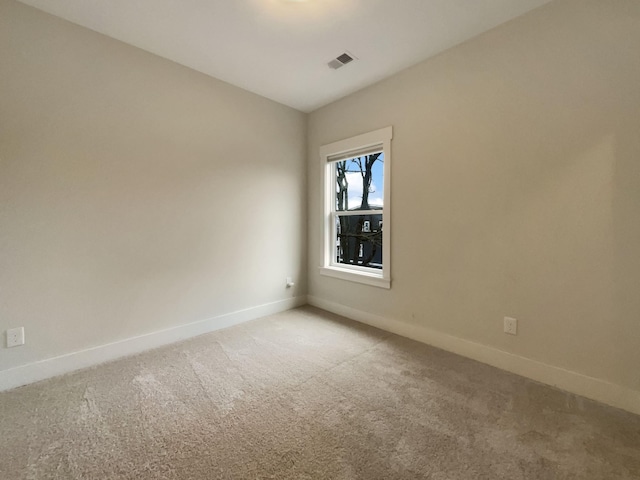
x: 280, y: 48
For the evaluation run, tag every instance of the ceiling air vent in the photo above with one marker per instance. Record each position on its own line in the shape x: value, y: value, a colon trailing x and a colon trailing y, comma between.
x: 341, y: 60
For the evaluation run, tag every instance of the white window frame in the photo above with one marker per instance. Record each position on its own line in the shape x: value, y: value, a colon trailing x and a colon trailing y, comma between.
x: 378, y: 140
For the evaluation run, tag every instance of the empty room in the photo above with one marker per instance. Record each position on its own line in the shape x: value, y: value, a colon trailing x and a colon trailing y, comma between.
x: 320, y: 239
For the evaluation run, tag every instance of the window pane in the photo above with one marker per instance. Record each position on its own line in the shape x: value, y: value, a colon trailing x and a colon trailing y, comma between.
x: 355, y: 243
x: 359, y: 182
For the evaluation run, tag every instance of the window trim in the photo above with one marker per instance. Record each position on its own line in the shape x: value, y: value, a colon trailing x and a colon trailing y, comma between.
x: 329, y: 154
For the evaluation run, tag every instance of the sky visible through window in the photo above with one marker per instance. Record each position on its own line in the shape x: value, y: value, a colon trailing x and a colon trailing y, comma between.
x: 354, y: 178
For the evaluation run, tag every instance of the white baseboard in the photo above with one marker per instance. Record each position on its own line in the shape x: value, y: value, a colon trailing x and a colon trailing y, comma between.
x: 573, y: 382
x: 51, y: 367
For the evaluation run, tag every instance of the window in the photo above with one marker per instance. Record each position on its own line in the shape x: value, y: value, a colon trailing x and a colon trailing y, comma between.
x: 356, y: 201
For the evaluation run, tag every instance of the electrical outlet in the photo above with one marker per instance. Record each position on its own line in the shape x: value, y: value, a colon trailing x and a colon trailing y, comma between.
x: 510, y: 326
x: 15, y: 337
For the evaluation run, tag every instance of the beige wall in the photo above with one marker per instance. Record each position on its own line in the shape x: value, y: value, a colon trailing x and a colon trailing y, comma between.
x: 515, y: 189
x: 135, y: 194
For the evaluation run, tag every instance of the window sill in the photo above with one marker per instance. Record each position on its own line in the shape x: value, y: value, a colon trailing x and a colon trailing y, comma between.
x: 356, y: 276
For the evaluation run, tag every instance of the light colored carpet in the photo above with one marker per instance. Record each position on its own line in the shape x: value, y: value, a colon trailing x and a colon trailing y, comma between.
x: 308, y: 395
